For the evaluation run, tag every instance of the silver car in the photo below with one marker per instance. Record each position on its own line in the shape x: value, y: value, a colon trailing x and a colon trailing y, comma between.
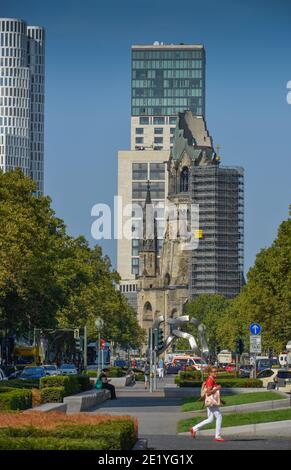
x: 51, y: 370
x: 68, y: 369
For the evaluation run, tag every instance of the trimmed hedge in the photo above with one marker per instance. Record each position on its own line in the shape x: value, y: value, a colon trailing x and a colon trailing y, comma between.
x: 191, y: 375
x: 112, y: 435
x: 17, y: 383
x: 69, y: 382
x: 84, y: 383
x: 52, y: 395
x: 15, y: 399
x: 115, y: 372
x: 230, y: 383
x: 50, y: 443
x: 90, y: 373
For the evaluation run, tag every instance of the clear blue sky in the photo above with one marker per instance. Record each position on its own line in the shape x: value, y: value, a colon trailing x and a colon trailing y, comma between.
x: 248, y: 50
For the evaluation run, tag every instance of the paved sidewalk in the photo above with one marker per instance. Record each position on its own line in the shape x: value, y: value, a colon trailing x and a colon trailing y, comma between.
x: 157, y: 420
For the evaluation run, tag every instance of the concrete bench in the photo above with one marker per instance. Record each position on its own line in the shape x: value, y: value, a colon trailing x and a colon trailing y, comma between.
x: 49, y: 407
x: 85, y: 400
x: 118, y: 382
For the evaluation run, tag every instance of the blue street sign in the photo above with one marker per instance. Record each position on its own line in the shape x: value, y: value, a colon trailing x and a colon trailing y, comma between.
x: 255, y: 329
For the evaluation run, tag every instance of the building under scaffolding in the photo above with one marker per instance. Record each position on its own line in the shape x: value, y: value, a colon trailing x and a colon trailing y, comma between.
x: 217, y: 263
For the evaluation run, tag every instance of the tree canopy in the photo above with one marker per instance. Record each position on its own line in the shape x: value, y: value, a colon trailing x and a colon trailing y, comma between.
x: 49, y: 279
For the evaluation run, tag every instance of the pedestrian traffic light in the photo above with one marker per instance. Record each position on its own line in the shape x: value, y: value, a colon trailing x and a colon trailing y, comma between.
x: 239, y: 346
x: 102, y: 343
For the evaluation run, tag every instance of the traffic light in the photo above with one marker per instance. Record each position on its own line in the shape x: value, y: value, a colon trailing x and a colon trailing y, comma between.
x: 160, y: 339
x: 77, y: 344
x: 102, y: 344
x: 271, y: 353
x: 239, y: 346
x: 76, y: 333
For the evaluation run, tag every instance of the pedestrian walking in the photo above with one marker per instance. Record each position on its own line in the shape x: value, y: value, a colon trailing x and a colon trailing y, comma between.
x: 161, y: 369
x: 147, y: 371
x: 211, y: 392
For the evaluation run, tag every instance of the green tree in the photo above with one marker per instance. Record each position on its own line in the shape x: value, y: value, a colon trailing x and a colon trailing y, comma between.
x: 208, y: 309
x: 266, y: 298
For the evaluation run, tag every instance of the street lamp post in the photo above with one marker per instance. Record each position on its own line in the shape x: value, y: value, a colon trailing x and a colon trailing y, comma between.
x: 99, y: 325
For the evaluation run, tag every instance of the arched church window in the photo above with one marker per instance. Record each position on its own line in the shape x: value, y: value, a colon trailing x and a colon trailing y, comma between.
x: 184, y: 180
x: 167, y: 279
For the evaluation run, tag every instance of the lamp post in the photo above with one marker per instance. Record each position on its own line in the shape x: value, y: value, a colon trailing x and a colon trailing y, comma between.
x: 99, y: 325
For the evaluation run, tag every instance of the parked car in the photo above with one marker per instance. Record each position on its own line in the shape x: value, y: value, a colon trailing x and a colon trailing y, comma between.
x: 2, y: 375
x: 11, y: 372
x: 51, y: 369
x: 68, y: 369
x: 121, y: 363
x: 284, y: 379
x: 32, y: 372
x: 195, y: 363
x: 173, y: 368
x: 230, y: 368
x: 245, y: 371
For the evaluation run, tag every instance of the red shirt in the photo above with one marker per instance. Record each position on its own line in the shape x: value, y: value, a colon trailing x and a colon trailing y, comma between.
x: 210, y: 383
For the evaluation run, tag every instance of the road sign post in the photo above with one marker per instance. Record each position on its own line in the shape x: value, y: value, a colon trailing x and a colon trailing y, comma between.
x: 255, y: 343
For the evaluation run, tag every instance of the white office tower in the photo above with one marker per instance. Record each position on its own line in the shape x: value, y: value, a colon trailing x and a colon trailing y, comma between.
x: 22, y: 99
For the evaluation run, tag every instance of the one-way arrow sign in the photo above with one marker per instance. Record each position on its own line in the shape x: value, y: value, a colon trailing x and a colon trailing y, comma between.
x: 255, y: 329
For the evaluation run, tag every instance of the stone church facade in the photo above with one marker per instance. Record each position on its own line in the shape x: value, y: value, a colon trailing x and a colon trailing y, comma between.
x: 163, y: 289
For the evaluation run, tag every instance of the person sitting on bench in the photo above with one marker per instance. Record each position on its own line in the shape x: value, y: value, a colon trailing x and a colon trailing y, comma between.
x: 105, y: 383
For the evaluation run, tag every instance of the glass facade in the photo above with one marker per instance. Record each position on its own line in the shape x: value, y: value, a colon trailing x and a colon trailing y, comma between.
x: 22, y: 99
x: 166, y: 80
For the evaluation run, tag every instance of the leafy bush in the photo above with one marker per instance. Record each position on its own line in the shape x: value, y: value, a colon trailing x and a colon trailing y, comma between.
x: 84, y: 383
x: 139, y: 377
x: 15, y: 399
x: 115, y: 372
x: 17, y: 383
x: 69, y: 382
x: 192, y: 375
x: 230, y: 383
x: 90, y: 373
x: 111, y: 434
x: 52, y: 394
x: 50, y: 443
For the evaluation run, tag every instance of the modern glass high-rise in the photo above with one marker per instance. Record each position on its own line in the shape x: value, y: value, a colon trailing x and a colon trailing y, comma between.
x: 166, y: 79
x: 22, y: 98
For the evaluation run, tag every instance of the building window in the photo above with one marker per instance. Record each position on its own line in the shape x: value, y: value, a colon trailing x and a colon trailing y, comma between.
x: 134, y: 265
x: 143, y: 120
x: 158, y: 130
x: 157, y: 171
x: 184, y: 177
x: 158, y: 140
x: 173, y: 120
x: 139, y: 171
x: 159, y: 120
x: 134, y: 247
x: 139, y: 130
x: 139, y: 140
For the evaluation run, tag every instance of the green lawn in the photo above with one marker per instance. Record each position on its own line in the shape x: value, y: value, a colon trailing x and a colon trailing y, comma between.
x: 238, y: 419
x: 193, y: 404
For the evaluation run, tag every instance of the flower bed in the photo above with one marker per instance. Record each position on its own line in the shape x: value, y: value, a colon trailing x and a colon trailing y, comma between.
x: 57, y: 431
